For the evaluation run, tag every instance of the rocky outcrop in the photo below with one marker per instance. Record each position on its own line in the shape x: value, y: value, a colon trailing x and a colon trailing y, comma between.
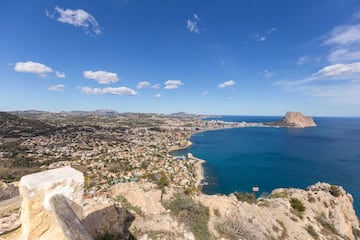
x: 141, y: 210
x: 322, y: 211
x: 38, y: 220
x: 294, y: 120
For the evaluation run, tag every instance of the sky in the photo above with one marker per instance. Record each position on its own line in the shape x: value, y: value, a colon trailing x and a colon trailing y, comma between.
x: 248, y: 57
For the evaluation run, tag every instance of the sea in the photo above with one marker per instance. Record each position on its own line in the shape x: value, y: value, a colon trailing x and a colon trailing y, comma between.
x: 239, y: 159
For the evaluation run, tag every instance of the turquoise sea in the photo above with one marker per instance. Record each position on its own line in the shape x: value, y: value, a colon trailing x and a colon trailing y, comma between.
x: 238, y: 159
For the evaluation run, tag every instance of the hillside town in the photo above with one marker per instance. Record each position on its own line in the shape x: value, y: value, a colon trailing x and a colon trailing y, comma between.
x: 108, y: 148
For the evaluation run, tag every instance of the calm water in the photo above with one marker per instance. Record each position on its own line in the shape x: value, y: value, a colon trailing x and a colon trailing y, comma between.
x: 238, y: 159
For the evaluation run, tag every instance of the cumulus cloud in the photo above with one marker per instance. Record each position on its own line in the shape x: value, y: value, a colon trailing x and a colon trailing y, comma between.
x: 143, y: 84
x: 226, y: 84
x: 102, y: 77
x: 57, y: 88
x: 157, y: 96
x: 59, y: 74
x: 109, y: 90
x: 173, y: 84
x: 192, y: 24
x: 76, y: 18
x: 32, y: 67
x: 156, y: 86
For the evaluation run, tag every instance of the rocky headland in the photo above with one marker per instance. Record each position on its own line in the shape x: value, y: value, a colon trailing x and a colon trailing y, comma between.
x: 294, y: 120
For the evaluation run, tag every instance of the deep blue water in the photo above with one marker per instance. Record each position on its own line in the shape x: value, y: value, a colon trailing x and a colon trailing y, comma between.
x: 238, y: 159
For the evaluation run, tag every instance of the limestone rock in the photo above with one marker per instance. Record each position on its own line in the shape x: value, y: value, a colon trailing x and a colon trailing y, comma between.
x: 37, y: 218
x: 142, y: 195
x: 294, y: 120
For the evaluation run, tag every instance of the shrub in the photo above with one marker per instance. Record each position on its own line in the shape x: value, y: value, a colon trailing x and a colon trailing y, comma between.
x: 283, y: 194
x: 335, y: 191
x: 245, y: 197
x: 297, y: 205
x: 194, y: 215
x: 127, y: 205
x: 233, y: 228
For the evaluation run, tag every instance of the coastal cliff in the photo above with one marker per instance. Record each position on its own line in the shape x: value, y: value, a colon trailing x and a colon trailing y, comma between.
x: 144, y: 211
x: 322, y: 211
x: 294, y: 120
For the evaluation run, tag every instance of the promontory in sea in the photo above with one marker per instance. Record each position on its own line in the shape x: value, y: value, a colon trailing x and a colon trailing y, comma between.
x: 294, y: 120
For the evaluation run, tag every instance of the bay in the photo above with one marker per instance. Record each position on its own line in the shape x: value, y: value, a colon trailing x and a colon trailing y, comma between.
x: 238, y: 159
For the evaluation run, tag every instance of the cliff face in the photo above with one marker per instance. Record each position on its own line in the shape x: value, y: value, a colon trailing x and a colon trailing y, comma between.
x: 295, y: 120
x: 322, y: 211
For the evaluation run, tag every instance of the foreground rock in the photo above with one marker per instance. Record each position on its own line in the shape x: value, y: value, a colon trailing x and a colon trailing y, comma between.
x: 322, y: 211
x: 143, y: 211
x: 294, y: 120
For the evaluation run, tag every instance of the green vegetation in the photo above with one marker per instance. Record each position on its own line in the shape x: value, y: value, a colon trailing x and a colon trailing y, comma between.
x: 283, y: 194
x: 245, y: 197
x: 233, y: 229
x: 127, y: 205
x: 335, y: 191
x: 163, y: 181
x: 297, y: 205
x: 194, y: 215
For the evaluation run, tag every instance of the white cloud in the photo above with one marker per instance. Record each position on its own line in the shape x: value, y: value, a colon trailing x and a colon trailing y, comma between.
x: 156, y: 86
x: 173, y: 84
x: 337, y: 83
x: 192, y: 24
x: 102, y: 77
x: 77, y: 18
x: 344, y: 55
x: 339, y: 70
x: 59, y: 74
x: 345, y: 34
x: 143, y: 84
x: 109, y: 90
x: 157, y: 96
x: 57, y: 88
x: 226, y: 84
x: 119, y: 91
x: 204, y: 93
x: 32, y: 67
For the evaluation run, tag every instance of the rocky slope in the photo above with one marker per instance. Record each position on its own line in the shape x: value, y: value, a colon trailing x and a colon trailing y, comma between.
x: 294, y: 120
x: 322, y: 211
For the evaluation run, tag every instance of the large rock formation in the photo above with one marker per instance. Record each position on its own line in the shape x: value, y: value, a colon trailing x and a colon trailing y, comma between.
x: 294, y: 120
x: 322, y: 212
x: 38, y: 220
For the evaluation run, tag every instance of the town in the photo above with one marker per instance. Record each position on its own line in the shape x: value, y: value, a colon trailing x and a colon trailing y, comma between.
x: 107, y: 147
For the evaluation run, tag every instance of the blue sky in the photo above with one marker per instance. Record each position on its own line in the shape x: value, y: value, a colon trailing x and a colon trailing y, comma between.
x: 249, y: 57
